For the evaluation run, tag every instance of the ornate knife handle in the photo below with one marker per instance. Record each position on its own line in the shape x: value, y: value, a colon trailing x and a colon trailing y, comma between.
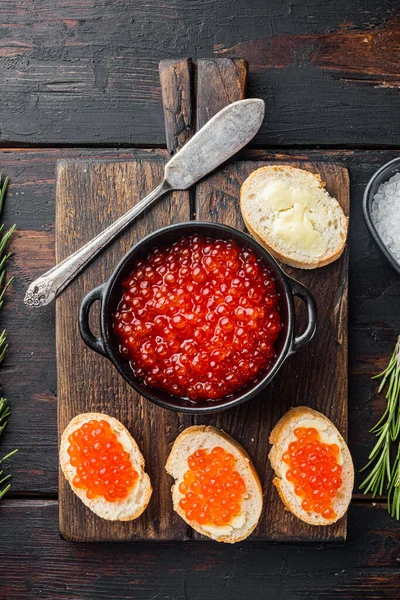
x: 44, y: 289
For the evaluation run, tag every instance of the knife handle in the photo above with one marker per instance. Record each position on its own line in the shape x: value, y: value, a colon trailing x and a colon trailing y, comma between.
x: 44, y: 289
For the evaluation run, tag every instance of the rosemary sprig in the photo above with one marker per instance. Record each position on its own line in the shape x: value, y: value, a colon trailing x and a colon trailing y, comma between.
x: 3, y: 188
x: 382, y: 474
x: 4, y: 408
x: 394, y: 489
x: 4, y: 414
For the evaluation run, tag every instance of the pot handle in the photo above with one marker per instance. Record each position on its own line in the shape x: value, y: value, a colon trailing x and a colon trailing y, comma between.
x: 305, y: 295
x: 88, y: 337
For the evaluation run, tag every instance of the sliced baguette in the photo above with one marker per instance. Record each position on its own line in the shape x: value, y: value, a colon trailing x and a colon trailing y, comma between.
x: 324, y: 215
x: 201, y: 436
x: 281, y: 436
x: 122, y: 510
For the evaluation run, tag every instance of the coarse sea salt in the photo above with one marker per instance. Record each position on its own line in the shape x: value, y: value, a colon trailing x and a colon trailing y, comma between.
x: 385, y: 213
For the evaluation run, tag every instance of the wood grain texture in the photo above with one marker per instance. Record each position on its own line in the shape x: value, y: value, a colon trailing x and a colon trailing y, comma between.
x: 219, y: 83
x: 176, y: 79
x: 79, y: 72
x: 38, y: 564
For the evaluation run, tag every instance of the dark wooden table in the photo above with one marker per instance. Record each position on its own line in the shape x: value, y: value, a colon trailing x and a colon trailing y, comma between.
x: 81, y: 79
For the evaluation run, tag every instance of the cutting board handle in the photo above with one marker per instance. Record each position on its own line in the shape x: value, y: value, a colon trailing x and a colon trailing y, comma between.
x: 88, y: 337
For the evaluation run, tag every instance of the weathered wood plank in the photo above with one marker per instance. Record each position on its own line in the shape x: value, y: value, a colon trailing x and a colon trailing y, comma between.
x: 176, y: 79
x: 219, y: 83
x: 37, y: 563
x: 76, y: 73
x: 28, y: 375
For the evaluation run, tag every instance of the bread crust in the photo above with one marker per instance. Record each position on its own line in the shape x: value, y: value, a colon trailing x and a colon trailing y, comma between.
x: 172, y: 470
x: 126, y: 511
x: 268, y: 245
x: 275, y: 457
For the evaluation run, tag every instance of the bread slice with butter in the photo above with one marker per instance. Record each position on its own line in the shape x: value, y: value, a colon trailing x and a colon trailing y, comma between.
x: 291, y: 214
x: 280, y: 438
x: 207, y: 438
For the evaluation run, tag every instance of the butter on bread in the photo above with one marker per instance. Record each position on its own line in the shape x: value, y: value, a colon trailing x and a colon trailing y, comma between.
x: 207, y: 437
x: 280, y: 438
x: 291, y: 214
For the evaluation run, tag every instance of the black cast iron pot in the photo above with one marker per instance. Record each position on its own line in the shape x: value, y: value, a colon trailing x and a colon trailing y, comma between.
x: 109, y: 295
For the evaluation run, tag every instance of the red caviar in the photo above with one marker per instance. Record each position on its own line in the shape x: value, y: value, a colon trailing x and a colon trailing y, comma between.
x: 198, y: 319
x: 314, y: 471
x: 103, y: 467
x: 212, y: 489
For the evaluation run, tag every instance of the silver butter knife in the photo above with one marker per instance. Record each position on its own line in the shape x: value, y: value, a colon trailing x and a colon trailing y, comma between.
x: 220, y: 138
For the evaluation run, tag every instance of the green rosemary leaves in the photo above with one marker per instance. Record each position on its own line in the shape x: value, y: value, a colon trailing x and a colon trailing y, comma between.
x: 382, y: 474
x: 4, y: 256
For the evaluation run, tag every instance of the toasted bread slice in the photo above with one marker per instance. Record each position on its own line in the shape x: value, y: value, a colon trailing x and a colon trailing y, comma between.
x: 290, y: 213
x: 206, y: 437
x: 282, y: 435
x: 122, y: 510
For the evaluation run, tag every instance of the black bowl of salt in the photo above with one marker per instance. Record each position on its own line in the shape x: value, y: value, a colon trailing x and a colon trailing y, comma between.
x: 381, y: 207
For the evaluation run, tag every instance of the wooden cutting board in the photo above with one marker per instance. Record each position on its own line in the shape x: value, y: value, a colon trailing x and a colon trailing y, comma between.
x: 92, y: 194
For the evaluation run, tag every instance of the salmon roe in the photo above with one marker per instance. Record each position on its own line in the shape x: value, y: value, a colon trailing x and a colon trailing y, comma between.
x: 103, y: 467
x: 314, y: 471
x: 212, y: 489
x: 198, y: 319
